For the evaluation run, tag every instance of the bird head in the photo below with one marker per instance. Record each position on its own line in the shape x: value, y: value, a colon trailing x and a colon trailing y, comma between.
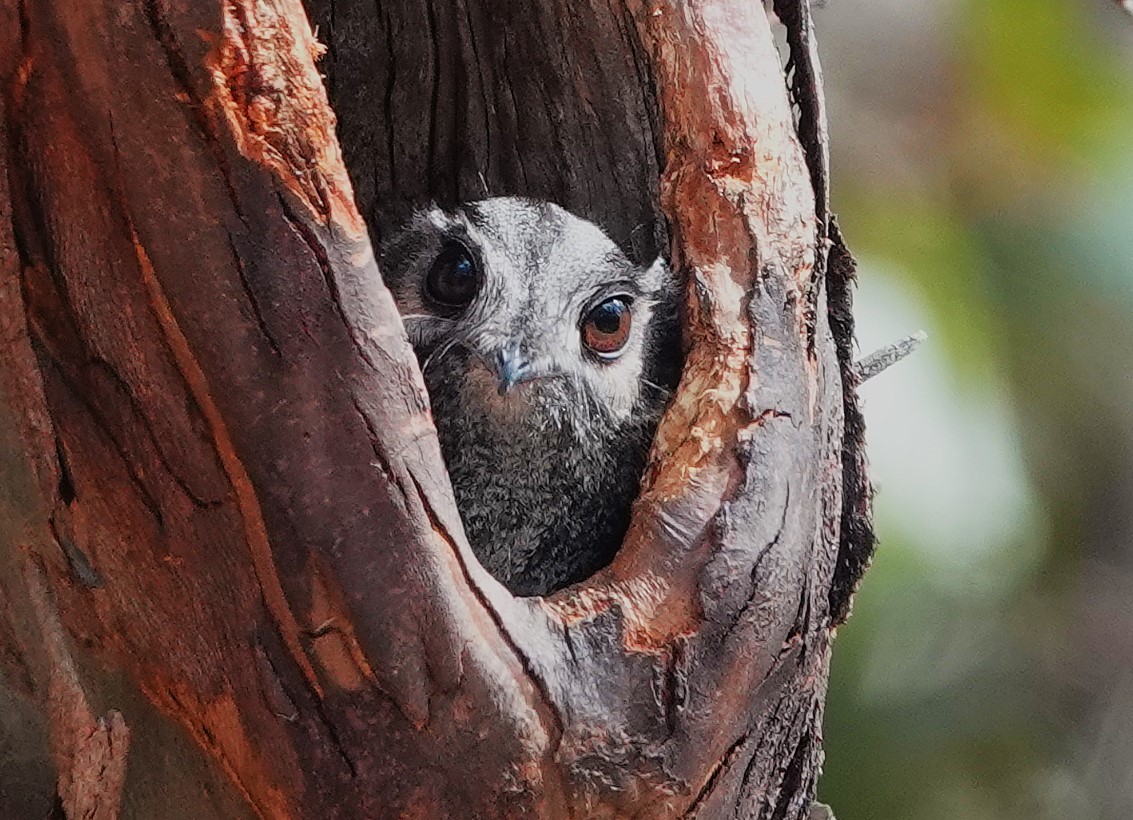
x: 517, y: 304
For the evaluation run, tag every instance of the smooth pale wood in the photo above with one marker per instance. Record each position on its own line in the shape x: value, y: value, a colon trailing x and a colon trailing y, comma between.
x: 244, y: 523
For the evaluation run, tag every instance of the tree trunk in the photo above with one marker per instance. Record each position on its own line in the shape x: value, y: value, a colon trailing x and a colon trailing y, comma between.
x: 234, y: 579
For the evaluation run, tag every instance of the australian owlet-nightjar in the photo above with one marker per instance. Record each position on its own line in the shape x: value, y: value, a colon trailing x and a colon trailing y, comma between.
x: 549, y: 358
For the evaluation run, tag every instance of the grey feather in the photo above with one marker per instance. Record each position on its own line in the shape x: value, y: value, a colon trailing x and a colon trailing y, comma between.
x: 544, y: 472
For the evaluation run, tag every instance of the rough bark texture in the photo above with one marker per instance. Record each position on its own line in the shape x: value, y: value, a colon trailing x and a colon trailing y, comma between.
x: 552, y: 100
x: 236, y: 561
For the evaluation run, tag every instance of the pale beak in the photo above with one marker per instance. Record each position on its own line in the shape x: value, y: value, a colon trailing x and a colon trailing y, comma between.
x: 511, y: 367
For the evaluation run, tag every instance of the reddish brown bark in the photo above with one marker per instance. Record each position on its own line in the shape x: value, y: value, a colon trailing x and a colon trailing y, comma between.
x: 243, y: 550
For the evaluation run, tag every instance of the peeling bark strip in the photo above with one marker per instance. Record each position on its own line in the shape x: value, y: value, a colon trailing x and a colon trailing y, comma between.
x: 227, y: 428
x: 90, y: 753
x: 266, y: 87
x: 835, y: 268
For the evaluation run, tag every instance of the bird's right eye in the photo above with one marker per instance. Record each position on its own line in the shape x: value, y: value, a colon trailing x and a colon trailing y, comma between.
x: 454, y: 278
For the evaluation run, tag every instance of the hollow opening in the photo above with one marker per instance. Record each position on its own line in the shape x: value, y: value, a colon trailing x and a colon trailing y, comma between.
x: 544, y: 400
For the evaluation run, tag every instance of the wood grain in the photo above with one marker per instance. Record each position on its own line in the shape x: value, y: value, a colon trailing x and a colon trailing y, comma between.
x: 244, y: 513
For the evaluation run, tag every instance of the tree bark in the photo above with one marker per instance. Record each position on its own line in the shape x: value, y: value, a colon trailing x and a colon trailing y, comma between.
x: 231, y: 554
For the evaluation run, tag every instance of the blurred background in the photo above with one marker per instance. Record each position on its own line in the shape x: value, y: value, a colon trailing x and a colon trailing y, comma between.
x: 984, y: 178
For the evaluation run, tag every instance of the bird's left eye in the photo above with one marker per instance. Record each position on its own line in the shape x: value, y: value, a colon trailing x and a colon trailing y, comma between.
x: 453, y: 279
x: 605, y: 330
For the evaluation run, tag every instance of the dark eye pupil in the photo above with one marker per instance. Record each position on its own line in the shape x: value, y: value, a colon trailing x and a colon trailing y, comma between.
x: 453, y: 279
x: 608, y: 317
x: 606, y: 328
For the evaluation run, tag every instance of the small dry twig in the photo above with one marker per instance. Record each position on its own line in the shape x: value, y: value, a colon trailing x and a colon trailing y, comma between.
x: 886, y: 357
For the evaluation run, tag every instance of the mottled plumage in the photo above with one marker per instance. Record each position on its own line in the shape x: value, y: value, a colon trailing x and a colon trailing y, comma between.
x: 549, y: 358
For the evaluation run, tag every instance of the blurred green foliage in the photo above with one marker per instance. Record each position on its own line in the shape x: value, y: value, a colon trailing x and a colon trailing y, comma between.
x: 991, y: 680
